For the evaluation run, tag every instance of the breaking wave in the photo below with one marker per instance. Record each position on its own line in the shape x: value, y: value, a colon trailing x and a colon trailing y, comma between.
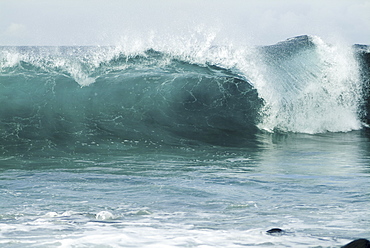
x: 214, y: 94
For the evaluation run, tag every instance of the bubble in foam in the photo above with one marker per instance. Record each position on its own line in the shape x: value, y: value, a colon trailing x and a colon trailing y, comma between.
x: 51, y: 215
x: 104, y: 215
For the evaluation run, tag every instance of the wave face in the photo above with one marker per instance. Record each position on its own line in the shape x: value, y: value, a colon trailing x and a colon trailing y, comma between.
x: 218, y: 95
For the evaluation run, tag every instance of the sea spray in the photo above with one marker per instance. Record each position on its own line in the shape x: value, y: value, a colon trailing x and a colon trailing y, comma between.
x: 314, y: 89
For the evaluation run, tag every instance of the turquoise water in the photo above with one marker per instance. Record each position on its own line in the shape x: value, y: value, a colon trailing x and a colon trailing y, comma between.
x: 315, y: 187
x: 184, y: 146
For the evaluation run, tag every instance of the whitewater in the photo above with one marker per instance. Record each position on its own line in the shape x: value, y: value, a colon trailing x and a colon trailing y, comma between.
x: 184, y: 143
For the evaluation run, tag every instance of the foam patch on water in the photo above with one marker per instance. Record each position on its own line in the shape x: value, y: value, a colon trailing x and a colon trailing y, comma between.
x: 104, y: 215
x: 72, y: 229
x: 95, y: 234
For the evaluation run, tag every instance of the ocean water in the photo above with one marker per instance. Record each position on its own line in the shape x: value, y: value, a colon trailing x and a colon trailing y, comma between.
x: 194, y: 145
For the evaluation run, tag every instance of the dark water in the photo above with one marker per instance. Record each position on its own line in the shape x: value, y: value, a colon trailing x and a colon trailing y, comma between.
x: 105, y: 148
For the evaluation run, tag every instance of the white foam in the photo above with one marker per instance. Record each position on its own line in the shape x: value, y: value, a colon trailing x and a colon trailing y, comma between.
x: 155, y: 231
x: 104, y: 215
x: 51, y: 215
x: 9, y: 59
x: 316, y: 92
x: 173, y: 236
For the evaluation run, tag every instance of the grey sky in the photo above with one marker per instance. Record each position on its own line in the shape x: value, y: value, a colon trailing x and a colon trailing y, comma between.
x: 93, y: 22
